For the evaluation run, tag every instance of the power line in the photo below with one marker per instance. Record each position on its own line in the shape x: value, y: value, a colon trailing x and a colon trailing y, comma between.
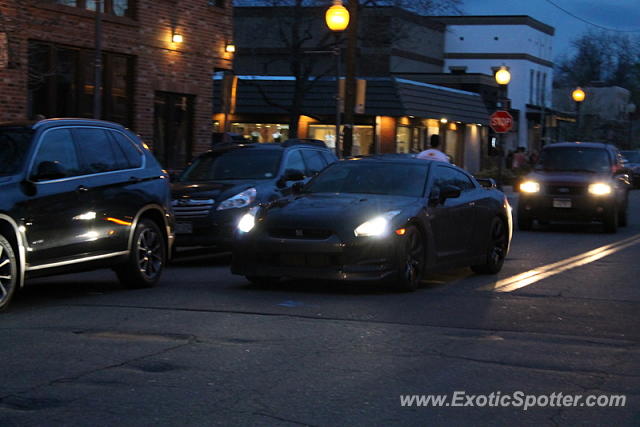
x: 589, y: 22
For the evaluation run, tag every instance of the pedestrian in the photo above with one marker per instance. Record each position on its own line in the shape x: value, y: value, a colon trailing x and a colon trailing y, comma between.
x: 519, y: 158
x: 433, y: 153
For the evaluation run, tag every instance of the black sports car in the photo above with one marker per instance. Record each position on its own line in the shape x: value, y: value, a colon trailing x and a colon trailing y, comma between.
x: 380, y: 219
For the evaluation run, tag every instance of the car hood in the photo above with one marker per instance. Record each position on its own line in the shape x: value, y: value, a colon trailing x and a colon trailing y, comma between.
x: 568, y: 178
x: 216, y: 190
x: 332, y: 211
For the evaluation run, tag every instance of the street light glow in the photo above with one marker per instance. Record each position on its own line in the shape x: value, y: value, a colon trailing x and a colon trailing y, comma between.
x: 503, y: 76
x: 337, y: 17
x: 578, y: 94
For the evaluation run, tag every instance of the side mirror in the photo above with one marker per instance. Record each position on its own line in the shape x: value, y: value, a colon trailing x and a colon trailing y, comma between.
x: 296, y: 188
x: 290, y: 175
x: 48, y: 170
x: 449, y: 192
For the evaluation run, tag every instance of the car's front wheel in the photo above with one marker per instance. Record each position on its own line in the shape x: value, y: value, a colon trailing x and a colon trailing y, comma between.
x: 622, y: 213
x: 411, y: 267
x: 610, y: 221
x: 525, y: 223
x: 497, y: 250
x: 8, y: 272
x: 146, y: 259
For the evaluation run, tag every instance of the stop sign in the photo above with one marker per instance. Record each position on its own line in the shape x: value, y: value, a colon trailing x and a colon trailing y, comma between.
x: 501, y: 121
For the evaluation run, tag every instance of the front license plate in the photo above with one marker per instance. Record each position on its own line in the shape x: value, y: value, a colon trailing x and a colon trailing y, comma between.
x: 561, y: 203
x: 184, y: 228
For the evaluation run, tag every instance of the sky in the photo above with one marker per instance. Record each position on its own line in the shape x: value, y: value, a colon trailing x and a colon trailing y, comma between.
x: 621, y: 15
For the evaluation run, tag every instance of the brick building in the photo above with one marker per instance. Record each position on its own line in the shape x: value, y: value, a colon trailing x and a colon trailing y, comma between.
x: 152, y: 82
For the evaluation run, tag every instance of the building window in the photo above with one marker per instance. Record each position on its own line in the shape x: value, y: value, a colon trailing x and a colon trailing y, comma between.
x: 61, y: 83
x: 363, y: 142
x: 173, y: 129
x: 531, y: 86
x: 111, y: 7
x: 217, y: 3
x: 262, y: 132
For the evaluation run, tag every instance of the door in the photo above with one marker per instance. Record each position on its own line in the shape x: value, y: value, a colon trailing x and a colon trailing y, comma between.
x: 113, y: 187
x: 452, y: 221
x: 58, y: 218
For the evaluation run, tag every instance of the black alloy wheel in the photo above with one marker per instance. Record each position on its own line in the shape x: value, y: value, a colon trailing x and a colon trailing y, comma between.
x: 525, y: 223
x: 411, y: 268
x: 497, y: 250
x: 8, y: 272
x: 610, y: 221
x: 146, y: 259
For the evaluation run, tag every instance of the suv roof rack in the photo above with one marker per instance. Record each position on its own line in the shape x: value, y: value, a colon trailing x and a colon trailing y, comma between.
x: 304, y: 141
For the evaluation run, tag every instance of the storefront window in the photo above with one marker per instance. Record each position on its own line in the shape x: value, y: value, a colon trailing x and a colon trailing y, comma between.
x: 262, y: 132
x: 363, y: 142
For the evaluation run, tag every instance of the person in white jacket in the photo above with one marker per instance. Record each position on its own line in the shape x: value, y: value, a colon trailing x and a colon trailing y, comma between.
x: 433, y: 153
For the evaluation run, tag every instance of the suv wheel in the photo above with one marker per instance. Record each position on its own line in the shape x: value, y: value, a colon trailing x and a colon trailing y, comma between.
x: 8, y: 272
x: 610, y: 222
x: 147, y: 257
x: 622, y: 213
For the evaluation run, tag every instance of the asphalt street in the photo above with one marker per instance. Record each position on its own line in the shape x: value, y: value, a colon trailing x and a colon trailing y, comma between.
x: 207, y: 348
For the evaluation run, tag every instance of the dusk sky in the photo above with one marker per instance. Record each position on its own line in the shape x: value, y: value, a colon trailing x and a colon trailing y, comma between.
x: 621, y: 15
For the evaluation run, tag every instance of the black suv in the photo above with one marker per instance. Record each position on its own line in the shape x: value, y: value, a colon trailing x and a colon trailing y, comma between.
x: 577, y: 182
x: 80, y: 194
x: 219, y: 186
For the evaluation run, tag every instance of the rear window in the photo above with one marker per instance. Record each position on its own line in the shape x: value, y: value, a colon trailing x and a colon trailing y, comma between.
x: 14, y: 145
x: 574, y: 159
x: 235, y: 164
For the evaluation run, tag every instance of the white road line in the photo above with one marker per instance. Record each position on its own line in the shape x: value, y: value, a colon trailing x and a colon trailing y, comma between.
x: 527, y: 278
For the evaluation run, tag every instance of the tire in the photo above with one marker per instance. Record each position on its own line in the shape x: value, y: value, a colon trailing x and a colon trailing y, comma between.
x: 8, y: 273
x: 497, y: 250
x: 411, y: 266
x: 525, y: 223
x: 146, y: 259
x: 610, y: 222
x: 622, y: 213
x: 262, y: 280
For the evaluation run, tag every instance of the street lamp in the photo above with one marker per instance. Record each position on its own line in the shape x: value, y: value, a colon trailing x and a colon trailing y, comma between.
x: 337, y: 19
x: 578, y: 97
x: 503, y: 77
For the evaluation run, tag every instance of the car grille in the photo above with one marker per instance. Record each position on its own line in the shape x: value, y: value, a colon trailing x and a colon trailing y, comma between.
x: 300, y: 260
x: 565, y: 190
x: 192, y: 208
x: 299, y: 233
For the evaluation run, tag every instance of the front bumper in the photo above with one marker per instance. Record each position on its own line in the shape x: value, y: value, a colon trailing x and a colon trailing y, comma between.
x: 583, y: 208
x: 350, y: 259
x: 215, y: 229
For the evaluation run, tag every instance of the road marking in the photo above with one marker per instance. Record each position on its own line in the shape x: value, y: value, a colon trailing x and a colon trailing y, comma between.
x: 527, y: 278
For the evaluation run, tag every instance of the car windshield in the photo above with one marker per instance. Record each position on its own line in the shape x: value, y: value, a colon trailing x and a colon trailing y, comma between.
x: 631, y: 156
x: 394, y: 179
x: 235, y: 165
x: 14, y: 144
x: 574, y: 159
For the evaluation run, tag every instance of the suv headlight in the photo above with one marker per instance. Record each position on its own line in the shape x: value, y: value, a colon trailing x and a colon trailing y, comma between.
x: 248, y: 220
x: 240, y: 200
x: 599, y: 189
x: 377, y: 226
x: 530, y: 187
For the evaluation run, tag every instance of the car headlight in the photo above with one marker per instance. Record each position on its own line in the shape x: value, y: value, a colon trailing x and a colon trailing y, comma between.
x: 599, y: 189
x: 530, y: 187
x: 248, y: 220
x: 240, y: 200
x: 377, y: 226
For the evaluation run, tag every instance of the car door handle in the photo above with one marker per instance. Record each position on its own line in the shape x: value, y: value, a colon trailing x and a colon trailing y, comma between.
x: 82, y: 189
x: 472, y: 203
x: 135, y: 179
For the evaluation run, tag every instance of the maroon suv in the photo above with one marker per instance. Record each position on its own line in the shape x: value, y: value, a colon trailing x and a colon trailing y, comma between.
x: 575, y: 182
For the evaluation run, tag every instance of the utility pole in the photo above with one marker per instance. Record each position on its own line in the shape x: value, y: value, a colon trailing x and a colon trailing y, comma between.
x: 97, y: 88
x: 350, y: 83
